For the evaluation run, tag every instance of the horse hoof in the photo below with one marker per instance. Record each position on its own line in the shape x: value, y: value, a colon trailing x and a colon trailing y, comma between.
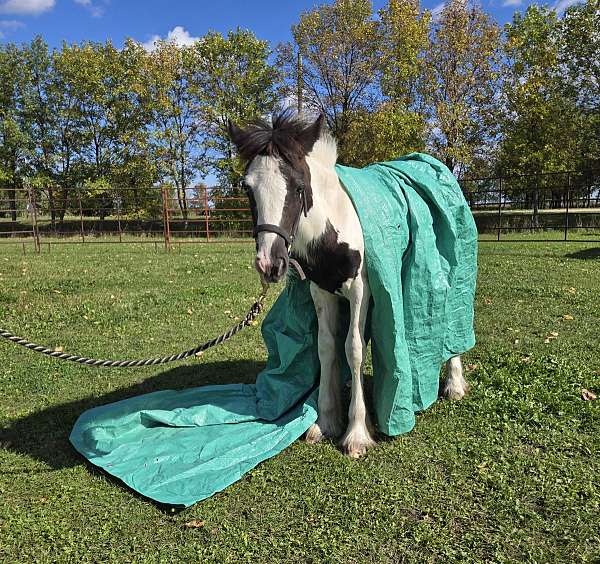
x: 314, y: 434
x: 455, y: 390
x: 324, y: 428
x: 355, y: 446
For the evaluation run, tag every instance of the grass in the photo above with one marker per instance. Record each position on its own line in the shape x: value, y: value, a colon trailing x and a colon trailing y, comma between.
x: 510, y: 474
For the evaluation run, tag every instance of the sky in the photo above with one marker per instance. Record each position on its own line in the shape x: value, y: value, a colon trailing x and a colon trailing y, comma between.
x: 145, y: 20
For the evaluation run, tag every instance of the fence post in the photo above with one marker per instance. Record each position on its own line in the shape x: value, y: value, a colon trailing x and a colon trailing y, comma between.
x: 81, y: 228
x: 206, y: 214
x: 166, y: 227
x: 567, y: 208
x: 499, y: 208
x: 34, y: 223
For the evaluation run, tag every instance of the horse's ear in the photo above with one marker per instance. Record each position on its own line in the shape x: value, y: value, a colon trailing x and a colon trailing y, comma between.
x: 235, y: 133
x: 308, y: 137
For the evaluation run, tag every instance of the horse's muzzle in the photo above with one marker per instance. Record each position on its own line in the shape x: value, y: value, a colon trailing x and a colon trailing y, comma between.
x: 271, y: 270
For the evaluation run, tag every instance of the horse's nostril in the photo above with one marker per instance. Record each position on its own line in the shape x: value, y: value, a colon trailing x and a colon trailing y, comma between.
x: 262, y: 265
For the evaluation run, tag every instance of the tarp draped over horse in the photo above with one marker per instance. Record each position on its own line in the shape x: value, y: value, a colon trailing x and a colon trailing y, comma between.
x: 179, y: 447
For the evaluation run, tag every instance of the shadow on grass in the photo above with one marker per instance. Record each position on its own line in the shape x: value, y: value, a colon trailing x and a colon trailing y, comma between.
x: 44, y: 435
x: 586, y: 254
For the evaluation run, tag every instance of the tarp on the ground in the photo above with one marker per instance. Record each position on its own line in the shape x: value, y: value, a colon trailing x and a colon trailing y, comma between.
x: 179, y: 447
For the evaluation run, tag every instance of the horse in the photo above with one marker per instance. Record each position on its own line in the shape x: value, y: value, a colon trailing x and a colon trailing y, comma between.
x: 302, y: 213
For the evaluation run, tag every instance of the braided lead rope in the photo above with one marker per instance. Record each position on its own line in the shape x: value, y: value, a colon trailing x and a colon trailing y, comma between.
x: 254, y: 312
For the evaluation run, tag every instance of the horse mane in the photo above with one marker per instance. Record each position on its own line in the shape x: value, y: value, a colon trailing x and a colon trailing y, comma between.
x: 289, y: 135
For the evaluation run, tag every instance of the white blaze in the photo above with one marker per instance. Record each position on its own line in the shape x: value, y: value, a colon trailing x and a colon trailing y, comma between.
x: 269, y: 189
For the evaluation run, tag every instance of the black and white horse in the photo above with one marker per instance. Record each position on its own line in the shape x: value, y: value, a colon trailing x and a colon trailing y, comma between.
x: 300, y: 207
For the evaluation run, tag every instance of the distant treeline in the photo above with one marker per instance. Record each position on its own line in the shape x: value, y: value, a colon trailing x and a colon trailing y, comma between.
x: 485, y: 100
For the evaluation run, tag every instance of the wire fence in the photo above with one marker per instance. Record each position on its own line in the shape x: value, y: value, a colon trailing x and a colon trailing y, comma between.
x: 565, y: 205
x: 561, y: 206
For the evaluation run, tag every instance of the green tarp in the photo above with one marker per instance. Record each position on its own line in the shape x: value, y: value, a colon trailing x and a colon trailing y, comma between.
x: 179, y: 447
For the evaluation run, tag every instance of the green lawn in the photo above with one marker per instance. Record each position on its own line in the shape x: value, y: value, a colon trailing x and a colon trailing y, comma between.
x: 510, y: 474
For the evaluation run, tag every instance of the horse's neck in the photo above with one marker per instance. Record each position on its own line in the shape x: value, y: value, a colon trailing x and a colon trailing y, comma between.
x: 331, y: 205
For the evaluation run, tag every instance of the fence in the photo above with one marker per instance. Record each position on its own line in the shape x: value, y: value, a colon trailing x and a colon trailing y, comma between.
x: 563, y: 204
x: 148, y: 216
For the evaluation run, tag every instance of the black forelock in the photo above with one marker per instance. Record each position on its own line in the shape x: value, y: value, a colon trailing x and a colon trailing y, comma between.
x: 280, y: 138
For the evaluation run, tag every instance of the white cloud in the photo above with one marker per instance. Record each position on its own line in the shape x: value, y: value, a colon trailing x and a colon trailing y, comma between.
x: 178, y: 35
x: 436, y: 12
x: 11, y: 24
x: 29, y: 7
x: 562, y: 5
x: 511, y: 3
x: 94, y: 9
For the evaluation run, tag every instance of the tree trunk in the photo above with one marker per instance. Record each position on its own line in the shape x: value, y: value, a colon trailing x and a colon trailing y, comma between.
x: 52, y: 210
x: 535, y: 220
x: 63, y: 207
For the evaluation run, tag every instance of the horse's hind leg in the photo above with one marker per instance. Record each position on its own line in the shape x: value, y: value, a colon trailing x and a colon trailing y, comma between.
x: 330, y: 419
x: 454, y: 385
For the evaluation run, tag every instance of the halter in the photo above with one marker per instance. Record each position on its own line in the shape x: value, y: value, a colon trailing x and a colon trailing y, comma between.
x: 287, y: 237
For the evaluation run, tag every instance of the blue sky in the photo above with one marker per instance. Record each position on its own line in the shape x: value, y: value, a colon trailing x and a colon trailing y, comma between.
x: 97, y: 20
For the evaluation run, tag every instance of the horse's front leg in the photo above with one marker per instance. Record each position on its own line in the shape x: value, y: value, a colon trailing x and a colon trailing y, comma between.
x: 330, y: 418
x: 358, y: 438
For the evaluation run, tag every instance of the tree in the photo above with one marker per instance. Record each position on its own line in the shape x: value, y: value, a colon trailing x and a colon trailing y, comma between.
x: 176, y: 117
x: 340, y: 47
x: 404, y: 35
x: 233, y: 80
x: 14, y: 139
x: 538, y: 135
x: 62, y: 97
x: 395, y: 126
x: 134, y: 172
x: 383, y: 134
x: 41, y: 109
x: 462, y: 74
x: 579, y: 63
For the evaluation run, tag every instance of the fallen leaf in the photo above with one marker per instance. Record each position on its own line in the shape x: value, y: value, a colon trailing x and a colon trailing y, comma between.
x: 516, y: 341
x: 199, y: 353
x: 572, y: 290
x: 227, y: 312
x: 58, y: 349
x: 568, y: 317
x: 526, y: 359
x: 471, y: 367
x: 587, y: 395
x: 190, y: 311
x: 194, y: 524
x: 487, y: 301
x: 554, y: 334
x: 546, y: 340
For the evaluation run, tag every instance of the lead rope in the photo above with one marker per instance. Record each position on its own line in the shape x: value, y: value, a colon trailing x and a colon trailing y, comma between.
x: 254, y: 312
